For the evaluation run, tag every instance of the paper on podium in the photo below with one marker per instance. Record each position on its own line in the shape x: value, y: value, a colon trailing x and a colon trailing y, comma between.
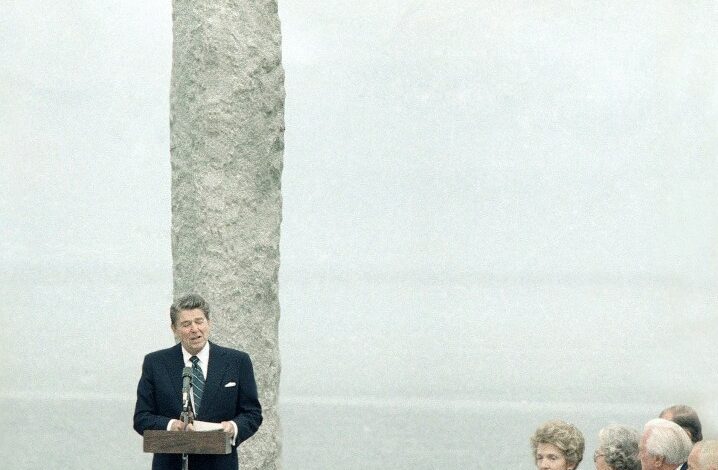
x: 206, y: 426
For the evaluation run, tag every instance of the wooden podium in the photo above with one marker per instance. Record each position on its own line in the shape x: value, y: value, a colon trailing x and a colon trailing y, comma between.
x: 186, y: 442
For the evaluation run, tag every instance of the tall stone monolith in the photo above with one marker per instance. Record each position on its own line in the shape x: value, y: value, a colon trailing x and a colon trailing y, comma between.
x: 227, y: 124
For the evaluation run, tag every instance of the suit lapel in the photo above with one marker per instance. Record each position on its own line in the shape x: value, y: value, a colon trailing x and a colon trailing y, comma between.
x: 175, y: 366
x: 215, y: 371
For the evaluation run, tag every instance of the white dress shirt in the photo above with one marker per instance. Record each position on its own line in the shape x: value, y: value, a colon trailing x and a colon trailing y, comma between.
x: 203, y: 357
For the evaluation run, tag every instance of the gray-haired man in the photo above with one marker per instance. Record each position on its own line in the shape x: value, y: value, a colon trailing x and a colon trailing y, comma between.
x: 664, y: 445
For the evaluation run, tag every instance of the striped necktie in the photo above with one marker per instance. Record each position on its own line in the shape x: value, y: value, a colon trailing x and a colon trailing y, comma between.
x: 197, y: 383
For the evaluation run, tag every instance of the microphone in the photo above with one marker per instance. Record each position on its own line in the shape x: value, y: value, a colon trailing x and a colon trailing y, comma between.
x: 186, y: 379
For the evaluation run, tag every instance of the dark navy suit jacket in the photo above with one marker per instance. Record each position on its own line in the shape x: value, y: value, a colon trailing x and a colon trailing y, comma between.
x: 159, y: 399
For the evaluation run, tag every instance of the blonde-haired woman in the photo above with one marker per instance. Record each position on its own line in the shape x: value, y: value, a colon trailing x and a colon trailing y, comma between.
x: 557, y: 445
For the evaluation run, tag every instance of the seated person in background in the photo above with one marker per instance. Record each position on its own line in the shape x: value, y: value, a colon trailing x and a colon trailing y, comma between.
x: 704, y: 456
x: 664, y: 445
x: 694, y: 459
x: 685, y: 417
x: 617, y: 449
x: 557, y: 445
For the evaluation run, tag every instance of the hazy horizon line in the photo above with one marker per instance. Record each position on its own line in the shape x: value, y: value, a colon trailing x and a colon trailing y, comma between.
x: 367, y: 273
x: 412, y: 402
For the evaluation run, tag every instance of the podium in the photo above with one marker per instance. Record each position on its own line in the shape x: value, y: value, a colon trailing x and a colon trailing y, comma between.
x: 186, y: 442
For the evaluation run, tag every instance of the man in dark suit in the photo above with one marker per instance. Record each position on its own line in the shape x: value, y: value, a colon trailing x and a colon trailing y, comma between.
x: 228, y: 395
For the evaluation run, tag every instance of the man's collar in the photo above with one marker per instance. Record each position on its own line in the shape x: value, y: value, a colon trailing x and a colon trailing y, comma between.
x: 203, y: 354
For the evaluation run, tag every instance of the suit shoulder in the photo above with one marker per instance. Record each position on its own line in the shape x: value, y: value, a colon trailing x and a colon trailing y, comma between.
x: 231, y: 352
x: 162, y: 353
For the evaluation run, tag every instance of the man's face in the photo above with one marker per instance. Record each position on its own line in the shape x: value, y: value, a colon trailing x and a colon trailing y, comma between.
x: 648, y: 461
x: 192, y: 329
x: 693, y: 459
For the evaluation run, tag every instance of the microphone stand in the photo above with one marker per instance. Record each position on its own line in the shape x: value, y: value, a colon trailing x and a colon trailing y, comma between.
x: 187, y: 417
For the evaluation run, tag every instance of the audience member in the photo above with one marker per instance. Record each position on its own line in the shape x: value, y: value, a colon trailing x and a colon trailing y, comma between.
x: 617, y: 449
x: 694, y: 458
x: 557, y: 445
x: 685, y: 417
x: 704, y: 456
x: 664, y: 445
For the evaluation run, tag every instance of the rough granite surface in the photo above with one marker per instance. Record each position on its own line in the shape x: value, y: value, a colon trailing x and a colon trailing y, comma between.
x: 227, y: 141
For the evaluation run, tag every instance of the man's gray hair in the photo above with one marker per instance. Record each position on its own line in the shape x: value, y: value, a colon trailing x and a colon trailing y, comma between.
x: 619, y: 447
x: 668, y: 440
x: 188, y: 302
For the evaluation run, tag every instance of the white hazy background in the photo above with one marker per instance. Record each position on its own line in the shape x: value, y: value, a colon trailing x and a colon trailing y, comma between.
x: 484, y: 202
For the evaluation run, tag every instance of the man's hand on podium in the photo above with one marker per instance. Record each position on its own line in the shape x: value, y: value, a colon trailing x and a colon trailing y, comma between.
x: 178, y: 425
x: 228, y: 428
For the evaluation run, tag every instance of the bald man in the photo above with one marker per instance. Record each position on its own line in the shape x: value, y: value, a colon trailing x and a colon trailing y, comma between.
x: 704, y: 456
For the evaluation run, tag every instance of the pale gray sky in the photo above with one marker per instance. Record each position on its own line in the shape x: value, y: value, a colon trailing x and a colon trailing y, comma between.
x: 478, y: 196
